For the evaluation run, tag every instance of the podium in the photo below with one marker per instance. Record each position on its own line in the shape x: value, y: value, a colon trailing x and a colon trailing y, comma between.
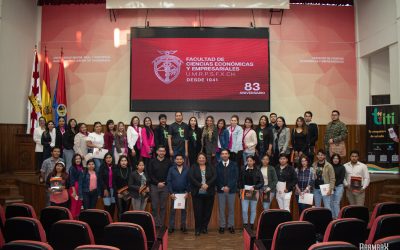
x: 24, y: 155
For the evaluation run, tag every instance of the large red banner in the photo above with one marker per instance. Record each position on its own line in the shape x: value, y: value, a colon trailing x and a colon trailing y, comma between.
x: 200, y: 69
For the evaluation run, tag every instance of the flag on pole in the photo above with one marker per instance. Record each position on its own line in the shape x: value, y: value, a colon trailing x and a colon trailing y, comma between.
x: 60, y: 98
x: 46, y: 99
x: 34, y: 109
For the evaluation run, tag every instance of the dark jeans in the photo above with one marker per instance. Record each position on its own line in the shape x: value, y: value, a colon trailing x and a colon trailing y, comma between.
x: 172, y: 216
x: 202, y: 208
x: 159, y: 198
x: 90, y: 199
x: 122, y: 206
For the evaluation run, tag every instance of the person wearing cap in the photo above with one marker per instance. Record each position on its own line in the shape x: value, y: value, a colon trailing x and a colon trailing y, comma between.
x: 58, y: 184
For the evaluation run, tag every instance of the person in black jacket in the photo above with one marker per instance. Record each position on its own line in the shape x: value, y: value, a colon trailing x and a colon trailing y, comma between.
x: 202, y: 178
x: 161, y: 133
x: 227, y: 179
x: 340, y: 173
x: 287, y: 175
x: 138, y: 186
x: 68, y: 142
x: 250, y: 183
x: 120, y: 178
x: 48, y: 139
x: 60, y: 130
x: 157, y: 171
x: 107, y: 184
x: 313, y: 133
x: 194, y: 135
x: 265, y: 138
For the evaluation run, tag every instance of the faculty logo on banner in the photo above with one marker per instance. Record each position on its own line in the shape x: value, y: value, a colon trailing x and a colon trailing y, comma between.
x: 382, y: 138
x: 167, y: 66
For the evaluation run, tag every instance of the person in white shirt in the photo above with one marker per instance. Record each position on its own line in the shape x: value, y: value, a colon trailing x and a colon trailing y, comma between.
x: 95, y: 140
x: 133, y: 134
x: 354, y: 168
x: 37, y: 138
x: 249, y: 139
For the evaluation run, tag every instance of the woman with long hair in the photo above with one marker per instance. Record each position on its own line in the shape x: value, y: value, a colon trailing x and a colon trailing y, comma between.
x: 58, y: 184
x: 139, y: 184
x: 134, y: 134
x: 223, y: 138
x: 209, y: 139
x: 80, y: 139
x: 265, y: 138
x: 37, y: 138
x: 305, y: 181
x: 300, y: 140
x: 270, y: 180
x: 121, y: 142
x: 340, y: 172
x: 75, y: 172
x: 68, y: 142
x: 121, y: 178
x: 235, y: 142
x: 109, y: 136
x: 95, y: 141
x: 249, y: 139
x: 89, y: 186
x: 281, y: 139
x: 107, y: 183
x: 194, y: 140
x: 48, y: 139
x: 148, y: 144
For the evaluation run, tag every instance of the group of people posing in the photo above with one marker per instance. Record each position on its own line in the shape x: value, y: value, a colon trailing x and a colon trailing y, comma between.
x: 126, y: 167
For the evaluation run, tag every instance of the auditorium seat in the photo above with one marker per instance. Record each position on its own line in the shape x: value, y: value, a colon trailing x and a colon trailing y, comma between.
x: 267, y: 223
x: 349, y: 230
x: 2, y: 241
x: 97, y: 219
x: 96, y: 247
x: 146, y: 221
x: 354, y: 211
x: 299, y: 235
x: 333, y: 245
x: 320, y: 217
x: 259, y: 245
x: 384, y: 226
x: 52, y: 214
x: 384, y: 208
x: 20, y: 210
x: 124, y: 235
x: 69, y: 234
x: 27, y: 245
x: 23, y: 228
x: 392, y: 241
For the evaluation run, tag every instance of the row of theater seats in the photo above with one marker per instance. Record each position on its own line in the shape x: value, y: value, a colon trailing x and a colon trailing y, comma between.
x: 57, y: 230
x: 276, y: 230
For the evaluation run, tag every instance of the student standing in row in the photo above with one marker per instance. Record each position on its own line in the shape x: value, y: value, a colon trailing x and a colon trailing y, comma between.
x: 121, y: 180
x: 60, y: 131
x: 300, y: 140
x: 148, y: 146
x: 177, y: 137
x: 286, y: 174
x: 107, y: 184
x: 323, y: 174
x: 313, y: 133
x: 48, y: 139
x: 138, y: 185
x: 89, y: 186
x: 37, y: 138
x: 265, y: 138
x: 80, y: 141
x: 223, y: 138
x: 270, y: 181
x: 95, y: 141
x: 68, y: 142
x: 109, y: 136
x: 202, y: 178
x: 281, y: 139
x: 193, y: 145
x: 250, y: 183
x: 157, y: 171
x: 249, y: 140
x: 227, y: 178
x: 305, y: 181
x: 161, y: 133
x: 209, y: 139
x: 58, y: 193
x: 235, y: 144
x: 75, y: 171
x: 133, y: 134
x: 121, y: 142
x: 178, y: 183
x: 340, y: 172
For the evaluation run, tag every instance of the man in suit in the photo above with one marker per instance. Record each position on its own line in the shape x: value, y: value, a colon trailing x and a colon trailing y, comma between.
x: 227, y: 177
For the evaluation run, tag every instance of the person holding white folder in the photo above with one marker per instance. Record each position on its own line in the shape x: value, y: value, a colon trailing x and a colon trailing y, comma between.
x: 178, y: 187
x: 287, y: 180
x: 324, y: 183
x: 305, y: 184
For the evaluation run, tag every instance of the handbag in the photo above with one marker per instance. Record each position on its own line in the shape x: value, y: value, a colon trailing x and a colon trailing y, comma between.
x: 338, y: 148
x: 124, y: 192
